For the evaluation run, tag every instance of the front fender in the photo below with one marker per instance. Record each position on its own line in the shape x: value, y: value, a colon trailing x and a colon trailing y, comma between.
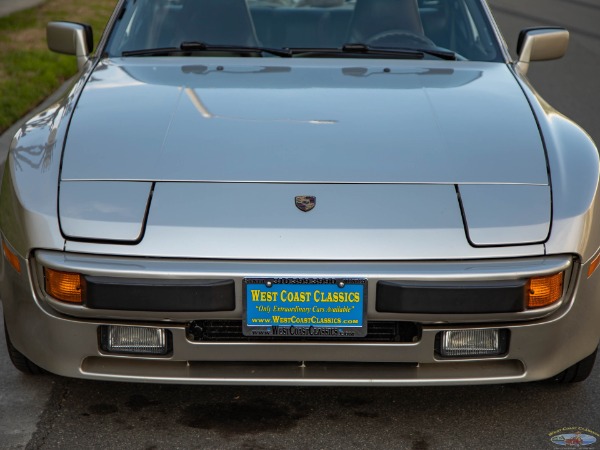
x: 574, y: 167
x: 28, y: 195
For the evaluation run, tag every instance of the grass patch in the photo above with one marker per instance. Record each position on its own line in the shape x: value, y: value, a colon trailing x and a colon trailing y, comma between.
x: 29, y: 72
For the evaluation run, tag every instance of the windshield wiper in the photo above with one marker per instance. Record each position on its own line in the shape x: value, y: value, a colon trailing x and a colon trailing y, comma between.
x: 193, y: 47
x: 357, y: 49
x: 363, y: 49
x: 161, y: 51
x: 442, y: 54
x: 204, y: 47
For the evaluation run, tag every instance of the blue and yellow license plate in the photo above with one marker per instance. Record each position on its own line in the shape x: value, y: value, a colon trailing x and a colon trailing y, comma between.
x: 293, y: 307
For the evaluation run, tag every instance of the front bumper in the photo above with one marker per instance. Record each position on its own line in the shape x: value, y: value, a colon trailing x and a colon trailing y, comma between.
x: 64, y: 339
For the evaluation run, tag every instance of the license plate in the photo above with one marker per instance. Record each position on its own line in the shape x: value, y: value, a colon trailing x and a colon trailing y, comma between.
x: 293, y: 307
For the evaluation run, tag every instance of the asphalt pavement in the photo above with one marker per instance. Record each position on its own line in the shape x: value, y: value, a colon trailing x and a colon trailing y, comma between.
x: 10, y: 6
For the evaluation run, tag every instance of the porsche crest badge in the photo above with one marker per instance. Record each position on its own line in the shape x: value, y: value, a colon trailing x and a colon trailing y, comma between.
x: 305, y: 202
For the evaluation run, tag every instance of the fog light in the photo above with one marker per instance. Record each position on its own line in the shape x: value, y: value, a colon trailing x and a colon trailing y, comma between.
x: 486, y: 342
x: 130, y: 339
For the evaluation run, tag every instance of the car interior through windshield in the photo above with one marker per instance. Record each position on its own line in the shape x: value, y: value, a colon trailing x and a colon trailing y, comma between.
x: 457, y: 26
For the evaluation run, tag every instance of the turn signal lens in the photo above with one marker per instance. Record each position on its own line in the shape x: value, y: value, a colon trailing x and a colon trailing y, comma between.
x: 593, y: 266
x: 65, y: 286
x: 12, y: 259
x: 544, y: 291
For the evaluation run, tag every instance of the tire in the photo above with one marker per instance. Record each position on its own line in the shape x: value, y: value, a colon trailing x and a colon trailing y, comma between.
x: 19, y: 360
x: 579, y: 371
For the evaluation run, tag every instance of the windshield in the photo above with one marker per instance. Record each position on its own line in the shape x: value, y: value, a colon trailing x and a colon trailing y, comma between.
x: 456, y: 26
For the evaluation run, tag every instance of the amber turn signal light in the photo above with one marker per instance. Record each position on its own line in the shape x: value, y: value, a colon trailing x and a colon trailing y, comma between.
x: 64, y: 286
x: 12, y: 259
x: 544, y: 291
x: 593, y: 266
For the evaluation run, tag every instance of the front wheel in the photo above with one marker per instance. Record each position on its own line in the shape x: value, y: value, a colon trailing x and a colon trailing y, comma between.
x: 579, y: 371
x: 19, y: 360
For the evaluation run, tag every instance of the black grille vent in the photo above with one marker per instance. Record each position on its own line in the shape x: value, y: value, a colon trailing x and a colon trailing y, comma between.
x: 231, y: 331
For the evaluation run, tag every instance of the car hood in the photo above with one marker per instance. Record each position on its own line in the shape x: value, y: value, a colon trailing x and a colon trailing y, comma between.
x: 396, y: 153
x: 338, y: 121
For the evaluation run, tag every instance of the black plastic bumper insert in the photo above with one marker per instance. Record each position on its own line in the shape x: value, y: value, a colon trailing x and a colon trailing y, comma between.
x: 447, y: 298
x: 126, y: 294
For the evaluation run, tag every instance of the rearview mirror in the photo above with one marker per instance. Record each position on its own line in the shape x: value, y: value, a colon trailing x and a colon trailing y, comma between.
x: 541, y: 44
x: 71, y: 39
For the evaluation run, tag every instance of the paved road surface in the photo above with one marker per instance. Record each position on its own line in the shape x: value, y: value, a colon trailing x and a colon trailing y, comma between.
x: 9, y: 6
x: 54, y: 413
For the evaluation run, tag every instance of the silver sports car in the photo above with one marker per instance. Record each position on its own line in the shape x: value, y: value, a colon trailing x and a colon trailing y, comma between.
x: 303, y: 192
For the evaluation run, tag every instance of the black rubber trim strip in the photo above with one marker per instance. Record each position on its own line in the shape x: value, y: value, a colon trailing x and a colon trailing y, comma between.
x: 445, y: 298
x: 125, y: 294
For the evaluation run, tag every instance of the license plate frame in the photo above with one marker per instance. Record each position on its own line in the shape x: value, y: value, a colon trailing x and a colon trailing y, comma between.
x: 304, y: 307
